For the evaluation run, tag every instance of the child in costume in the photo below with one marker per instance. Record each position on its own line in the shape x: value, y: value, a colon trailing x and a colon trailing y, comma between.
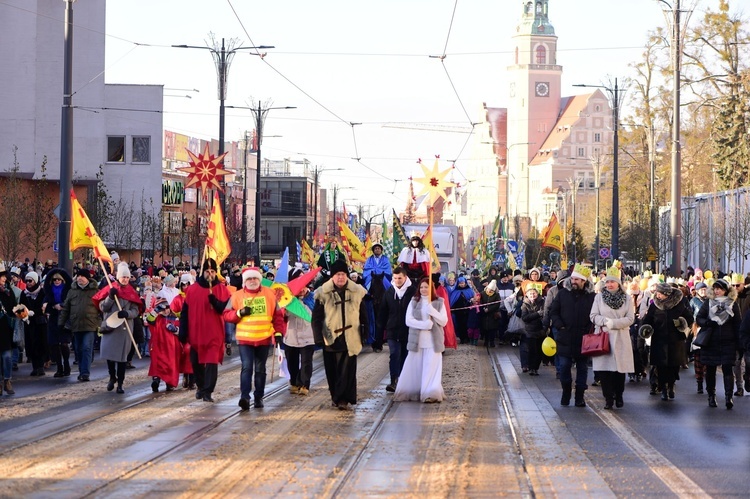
x: 165, y: 347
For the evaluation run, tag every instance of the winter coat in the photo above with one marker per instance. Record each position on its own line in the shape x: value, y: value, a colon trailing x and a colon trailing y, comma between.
x: 202, y: 320
x: 56, y: 333
x: 116, y: 344
x: 339, y: 318
x: 392, y: 313
x: 725, y: 338
x: 668, y: 346
x: 620, y: 356
x: 438, y: 318
x: 79, y: 311
x: 569, y: 314
x: 490, y: 311
x: 8, y: 301
x: 299, y: 331
x: 36, y: 327
x: 531, y: 315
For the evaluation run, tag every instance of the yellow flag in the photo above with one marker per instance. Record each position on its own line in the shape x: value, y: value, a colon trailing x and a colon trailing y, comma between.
x: 217, y: 242
x: 352, y: 242
x: 430, y: 245
x: 82, y: 232
x: 368, y: 247
x: 308, y: 255
x: 552, y: 234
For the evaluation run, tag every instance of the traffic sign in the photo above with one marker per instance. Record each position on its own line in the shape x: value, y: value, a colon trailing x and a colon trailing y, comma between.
x: 603, y: 252
x: 651, y: 254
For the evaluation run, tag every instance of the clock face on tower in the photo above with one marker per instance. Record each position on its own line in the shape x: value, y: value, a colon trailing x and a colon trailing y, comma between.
x: 542, y: 89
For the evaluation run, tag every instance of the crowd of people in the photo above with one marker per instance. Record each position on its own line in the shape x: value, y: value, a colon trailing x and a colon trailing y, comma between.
x: 188, y: 319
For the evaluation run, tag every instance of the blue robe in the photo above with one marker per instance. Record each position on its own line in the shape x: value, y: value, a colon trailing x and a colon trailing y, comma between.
x: 375, y: 266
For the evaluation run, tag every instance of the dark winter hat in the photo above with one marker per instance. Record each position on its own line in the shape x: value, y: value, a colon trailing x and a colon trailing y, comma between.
x: 721, y: 283
x: 210, y: 264
x: 700, y: 285
x: 84, y: 272
x: 377, y: 245
x: 339, y: 266
x: 664, y: 289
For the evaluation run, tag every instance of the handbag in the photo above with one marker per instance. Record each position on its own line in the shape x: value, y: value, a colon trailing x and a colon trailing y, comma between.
x: 595, y: 344
x: 703, y: 338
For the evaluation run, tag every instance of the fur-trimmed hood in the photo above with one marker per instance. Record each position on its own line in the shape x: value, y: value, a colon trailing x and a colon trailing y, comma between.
x: 673, y: 298
x: 732, y: 295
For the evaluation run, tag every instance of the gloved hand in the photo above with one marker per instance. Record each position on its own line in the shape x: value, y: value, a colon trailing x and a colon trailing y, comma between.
x: 278, y: 338
x: 244, y: 312
x: 122, y: 314
x: 113, y: 292
x: 171, y: 328
x: 609, y: 324
x: 213, y: 300
x: 682, y: 325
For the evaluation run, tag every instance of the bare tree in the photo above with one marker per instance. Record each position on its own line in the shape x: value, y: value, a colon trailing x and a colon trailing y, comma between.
x: 41, y: 224
x: 12, y: 212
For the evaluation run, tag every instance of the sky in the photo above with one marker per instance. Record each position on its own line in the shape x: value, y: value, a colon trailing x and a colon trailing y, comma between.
x: 360, y: 74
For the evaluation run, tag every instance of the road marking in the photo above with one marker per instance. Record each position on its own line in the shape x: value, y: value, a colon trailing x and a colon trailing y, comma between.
x: 667, y: 472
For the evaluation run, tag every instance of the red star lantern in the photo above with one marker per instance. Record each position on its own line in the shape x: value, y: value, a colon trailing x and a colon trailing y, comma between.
x: 204, y: 171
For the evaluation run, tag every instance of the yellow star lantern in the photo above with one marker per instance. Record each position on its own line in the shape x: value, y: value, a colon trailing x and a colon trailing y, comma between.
x: 204, y: 171
x: 433, y: 183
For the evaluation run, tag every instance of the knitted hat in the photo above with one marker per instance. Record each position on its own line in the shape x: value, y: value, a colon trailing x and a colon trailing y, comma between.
x: 251, y: 272
x: 123, y: 270
x: 209, y: 264
x: 114, y: 256
x: 664, y: 288
x: 581, y: 272
x: 377, y: 245
x: 339, y: 266
x: 613, y: 274
x: 15, y: 271
x: 492, y: 286
x: 33, y: 276
x: 169, y: 280
x: 84, y: 272
x: 161, y: 304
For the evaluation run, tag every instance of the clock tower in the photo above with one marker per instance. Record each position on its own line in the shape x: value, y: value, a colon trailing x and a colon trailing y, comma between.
x: 534, y: 99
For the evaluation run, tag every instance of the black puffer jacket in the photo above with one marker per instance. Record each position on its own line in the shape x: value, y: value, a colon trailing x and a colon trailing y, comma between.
x: 8, y: 301
x: 724, y: 343
x: 531, y: 314
x: 569, y: 313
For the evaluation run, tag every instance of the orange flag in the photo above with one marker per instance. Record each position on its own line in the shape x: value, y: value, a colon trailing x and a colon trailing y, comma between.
x: 552, y: 235
x: 82, y: 232
x: 217, y: 242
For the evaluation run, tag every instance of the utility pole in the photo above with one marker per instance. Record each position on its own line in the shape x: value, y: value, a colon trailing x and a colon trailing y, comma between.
x: 66, y: 146
x: 244, y: 202
x: 676, y: 204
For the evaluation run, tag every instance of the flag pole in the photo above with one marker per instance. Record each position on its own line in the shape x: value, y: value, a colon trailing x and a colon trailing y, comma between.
x: 119, y: 307
x: 432, y: 236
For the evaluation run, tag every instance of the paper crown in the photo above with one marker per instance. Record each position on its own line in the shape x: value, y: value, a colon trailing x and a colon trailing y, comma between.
x: 738, y: 279
x: 535, y: 285
x: 581, y: 272
x: 413, y: 234
x: 613, y: 273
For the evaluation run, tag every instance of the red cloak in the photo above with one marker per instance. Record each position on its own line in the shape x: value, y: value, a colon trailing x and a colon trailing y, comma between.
x: 449, y: 330
x: 123, y: 292
x: 204, y: 324
x: 165, y: 350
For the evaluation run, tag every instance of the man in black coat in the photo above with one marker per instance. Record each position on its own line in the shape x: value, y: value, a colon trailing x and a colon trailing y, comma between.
x: 569, y: 314
x: 391, y: 319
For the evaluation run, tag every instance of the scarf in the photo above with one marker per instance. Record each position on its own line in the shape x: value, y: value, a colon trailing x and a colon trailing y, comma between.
x: 57, y: 290
x: 32, y: 294
x: 402, y: 290
x: 720, y: 309
x: 613, y: 300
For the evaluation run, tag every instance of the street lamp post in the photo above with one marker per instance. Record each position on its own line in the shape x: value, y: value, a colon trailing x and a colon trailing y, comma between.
x: 223, y: 59
x: 259, y: 114
x: 573, y: 183
x: 615, y: 93
x: 597, y: 164
x: 317, y: 173
x: 336, y: 189
x: 66, y: 146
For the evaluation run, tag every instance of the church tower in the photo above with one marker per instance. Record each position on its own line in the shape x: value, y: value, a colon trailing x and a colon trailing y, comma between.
x: 534, y: 103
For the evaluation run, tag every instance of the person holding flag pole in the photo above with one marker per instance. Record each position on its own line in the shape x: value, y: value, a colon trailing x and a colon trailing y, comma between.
x: 83, y: 235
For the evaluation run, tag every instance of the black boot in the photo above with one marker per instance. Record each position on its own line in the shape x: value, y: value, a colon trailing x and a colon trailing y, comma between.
x: 618, y: 400
x: 392, y: 386
x: 728, y: 385
x: 670, y: 390
x: 579, y: 397
x: 711, y: 398
x: 610, y: 403
x: 700, y: 386
x: 664, y: 395
x: 567, y: 391
x: 111, y: 384
x: 155, y: 384
x: 730, y: 402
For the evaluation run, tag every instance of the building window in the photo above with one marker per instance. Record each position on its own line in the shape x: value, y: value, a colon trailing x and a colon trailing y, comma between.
x: 597, y: 137
x: 597, y: 108
x: 116, y: 149
x: 291, y: 203
x: 541, y: 55
x: 581, y: 152
x: 142, y: 150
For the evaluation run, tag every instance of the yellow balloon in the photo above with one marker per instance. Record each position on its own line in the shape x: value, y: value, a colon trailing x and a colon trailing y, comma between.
x: 708, y: 274
x: 549, y: 347
x: 643, y: 284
